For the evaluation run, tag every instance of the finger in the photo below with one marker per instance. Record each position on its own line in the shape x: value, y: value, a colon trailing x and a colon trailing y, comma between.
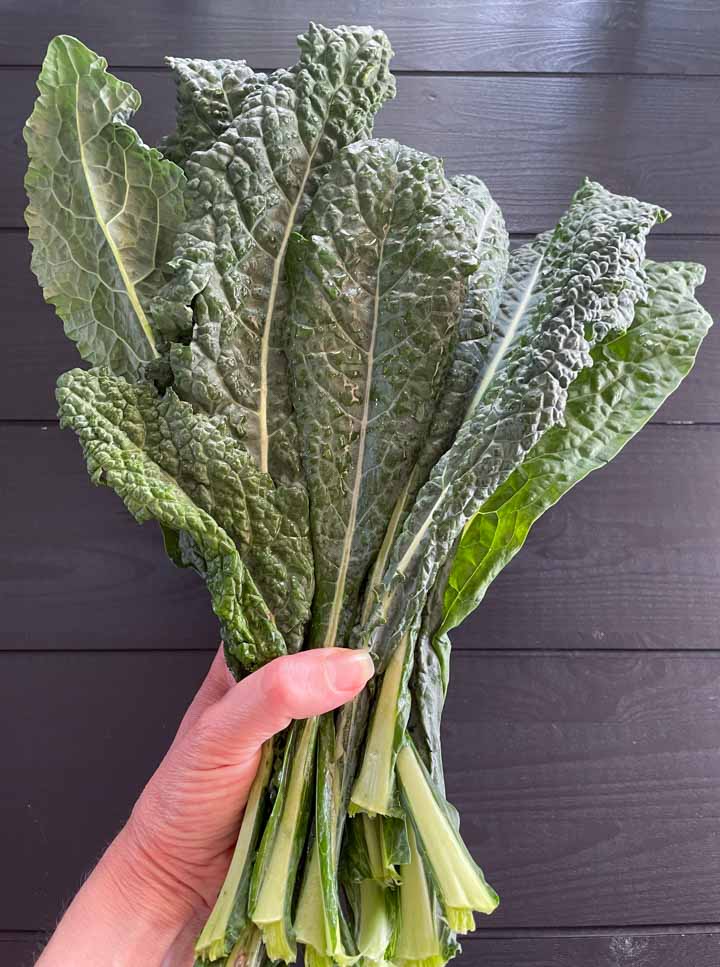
x: 292, y: 687
x: 216, y: 683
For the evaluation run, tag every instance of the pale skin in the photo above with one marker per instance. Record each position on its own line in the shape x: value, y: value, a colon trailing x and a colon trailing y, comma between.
x: 146, y: 900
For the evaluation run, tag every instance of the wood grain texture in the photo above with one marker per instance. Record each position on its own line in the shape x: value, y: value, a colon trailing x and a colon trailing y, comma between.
x: 629, y: 559
x: 34, y: 346
x: 77, y: 571
x: 496, y: 35
x: 20, y: 950
x: 588, y: 785
x: 620, y: 950
x: 36, y: 351
x: 531, y: 138
x: 635, y: 949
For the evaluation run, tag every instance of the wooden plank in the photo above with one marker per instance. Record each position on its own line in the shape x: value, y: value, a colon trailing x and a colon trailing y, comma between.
x: 623, y: 561
x: 36, y: 351
x: 78, y: 558
x: 615, y: 950
x: 588, y: 784
x: 619, y: 950
x: 35, y: 348
x: 496, y: 35
x: 629, y: 559
x: 532, y: 138
x: 20, y: 950
x: 635, y: 950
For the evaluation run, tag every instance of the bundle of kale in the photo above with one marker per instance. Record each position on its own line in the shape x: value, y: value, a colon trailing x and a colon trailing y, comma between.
x: 318, y: 366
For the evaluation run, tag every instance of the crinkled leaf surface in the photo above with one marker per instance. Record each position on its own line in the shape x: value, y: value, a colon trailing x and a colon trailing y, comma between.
x: 103, y: 208
x: 209, y: 96
x: 246, y: 195
x: 632, y: 374
x: 190, y: 474
x: 477, y: 331
x: 521, y: 292
x: 474, y: 336
x: 379, y: 281
x: 488, y: 328
x: 591, y: 279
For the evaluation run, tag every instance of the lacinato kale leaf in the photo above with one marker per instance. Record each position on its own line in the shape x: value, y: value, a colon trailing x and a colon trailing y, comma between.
x: 188, y: 472
x: 379, y: 282
x: 103, y: 209
x: 209, y: 96
x: 228, y: 296
x: 591, y: 279
x: 632, y: 374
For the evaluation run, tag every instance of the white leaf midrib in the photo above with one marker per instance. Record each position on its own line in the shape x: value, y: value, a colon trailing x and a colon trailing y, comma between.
x: 400, y: 507
x: 263, y: 433
x: 104, y: 226
x: 485, y: 381
x: 336, y: 608
x: 508, y: 339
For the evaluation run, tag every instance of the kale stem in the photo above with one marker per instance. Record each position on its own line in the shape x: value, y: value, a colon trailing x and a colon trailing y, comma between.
x: 459, y: 882
x: 229, y: 916
x: 273, y: 881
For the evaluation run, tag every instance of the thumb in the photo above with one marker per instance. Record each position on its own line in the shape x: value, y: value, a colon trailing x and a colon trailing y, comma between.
x: 291, y: 687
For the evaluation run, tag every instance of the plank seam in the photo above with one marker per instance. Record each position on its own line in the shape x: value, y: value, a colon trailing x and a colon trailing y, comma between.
x: 418, y: 72
x: 631, y: 930
x: 515, y: 236
x: 54, y: 422
x: 457, y: 650
x: 10, y: 935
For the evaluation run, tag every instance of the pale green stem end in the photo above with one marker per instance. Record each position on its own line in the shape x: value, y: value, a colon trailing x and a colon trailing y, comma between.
x: 374, y: 789
x: 459, y: 919
x: 276, y: 866
x: 213, y: 942
x: 459, y: 882
x: 419, y: 942
x: 278, y: 944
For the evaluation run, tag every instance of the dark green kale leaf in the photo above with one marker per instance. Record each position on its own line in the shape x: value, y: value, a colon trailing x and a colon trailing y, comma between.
x: 190, y: 473
x: 103, y: 209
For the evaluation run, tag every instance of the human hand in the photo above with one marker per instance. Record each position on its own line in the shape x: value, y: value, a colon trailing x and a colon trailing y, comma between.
x: 147, y: 899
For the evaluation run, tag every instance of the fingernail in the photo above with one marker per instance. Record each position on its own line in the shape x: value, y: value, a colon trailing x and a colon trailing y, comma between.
x: 348, y: 669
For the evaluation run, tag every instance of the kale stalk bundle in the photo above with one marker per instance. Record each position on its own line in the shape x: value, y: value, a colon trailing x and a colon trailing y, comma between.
x: 316, y: 363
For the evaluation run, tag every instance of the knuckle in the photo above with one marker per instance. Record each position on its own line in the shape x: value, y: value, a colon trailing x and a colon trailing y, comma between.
x: 206, y: 729
x: 206, y: 737
x: 279, y: 685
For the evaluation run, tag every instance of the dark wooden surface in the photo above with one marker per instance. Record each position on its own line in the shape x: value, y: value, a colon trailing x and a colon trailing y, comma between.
x: 588, y: 784
x: 637, y: 36
x: 582, y: 730
x: 642, y: 949
x: 608, y: 950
